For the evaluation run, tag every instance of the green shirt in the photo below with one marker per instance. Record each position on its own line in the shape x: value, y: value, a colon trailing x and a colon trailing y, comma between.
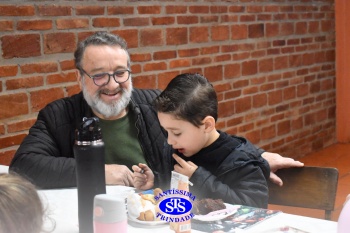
x: 121, y: 143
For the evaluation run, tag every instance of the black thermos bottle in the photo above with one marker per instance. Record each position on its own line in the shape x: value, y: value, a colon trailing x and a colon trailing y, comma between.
x: 89, y: 155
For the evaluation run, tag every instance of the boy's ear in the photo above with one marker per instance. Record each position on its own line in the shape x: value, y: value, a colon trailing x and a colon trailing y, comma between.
x: 209, y: 123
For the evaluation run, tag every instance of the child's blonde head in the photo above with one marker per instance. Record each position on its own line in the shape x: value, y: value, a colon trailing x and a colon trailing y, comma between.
x: 21, y: 209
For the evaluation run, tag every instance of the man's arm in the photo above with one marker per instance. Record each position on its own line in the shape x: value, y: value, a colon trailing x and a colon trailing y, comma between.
x: 45, y: 157
x: 276, y: 162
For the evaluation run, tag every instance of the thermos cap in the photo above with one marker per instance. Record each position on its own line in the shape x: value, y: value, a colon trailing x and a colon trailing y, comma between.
x: 109, y: 208
x: 88, y: 131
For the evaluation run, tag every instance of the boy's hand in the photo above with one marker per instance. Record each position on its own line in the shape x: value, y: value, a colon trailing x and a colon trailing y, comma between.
x: 143, y: 177
x: 183, y: 167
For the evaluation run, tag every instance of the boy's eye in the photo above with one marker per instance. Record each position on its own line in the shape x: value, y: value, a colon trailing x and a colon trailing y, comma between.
x: 177, y: 134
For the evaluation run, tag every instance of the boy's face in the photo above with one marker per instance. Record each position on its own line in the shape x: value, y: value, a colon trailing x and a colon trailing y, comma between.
x: 184, y: 136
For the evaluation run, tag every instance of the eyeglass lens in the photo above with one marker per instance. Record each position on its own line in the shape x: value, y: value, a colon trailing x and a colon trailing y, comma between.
x: 120, y: 76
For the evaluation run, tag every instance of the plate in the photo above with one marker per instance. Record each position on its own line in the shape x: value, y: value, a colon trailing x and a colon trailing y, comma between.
x: 218, y: 214
x: 147, y: 223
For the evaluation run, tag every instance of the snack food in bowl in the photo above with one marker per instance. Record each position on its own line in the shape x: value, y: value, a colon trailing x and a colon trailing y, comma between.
x: 143, y: 206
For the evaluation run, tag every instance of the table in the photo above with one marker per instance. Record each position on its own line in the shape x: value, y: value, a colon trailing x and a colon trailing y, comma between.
x: 63, y: 208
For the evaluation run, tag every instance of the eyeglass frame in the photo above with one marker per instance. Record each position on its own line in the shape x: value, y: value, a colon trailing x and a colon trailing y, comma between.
x: 109, y: 76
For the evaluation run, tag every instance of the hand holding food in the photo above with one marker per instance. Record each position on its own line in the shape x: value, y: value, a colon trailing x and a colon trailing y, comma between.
x: 142, y: 206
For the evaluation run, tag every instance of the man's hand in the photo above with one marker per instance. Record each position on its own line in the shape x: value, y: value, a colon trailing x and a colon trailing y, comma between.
x: 143, y: 177
x: 185, y: 168
x: 118, y: 175
x: 276, y: 162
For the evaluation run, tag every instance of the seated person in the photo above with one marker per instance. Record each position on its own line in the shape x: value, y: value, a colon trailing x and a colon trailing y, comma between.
x: 188, y: 110
x: 131, y: 130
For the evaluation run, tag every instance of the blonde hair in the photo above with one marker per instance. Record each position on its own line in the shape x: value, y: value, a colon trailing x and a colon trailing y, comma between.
x: 21, y: 209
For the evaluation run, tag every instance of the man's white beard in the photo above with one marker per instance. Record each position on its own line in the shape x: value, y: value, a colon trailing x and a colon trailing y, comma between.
x: 108, y: 110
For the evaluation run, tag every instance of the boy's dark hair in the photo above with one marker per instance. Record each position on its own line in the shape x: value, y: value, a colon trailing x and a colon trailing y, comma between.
x: 189, y: 97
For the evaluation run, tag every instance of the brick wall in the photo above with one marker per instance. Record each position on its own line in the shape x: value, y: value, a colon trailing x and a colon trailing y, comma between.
x: 272, y: 62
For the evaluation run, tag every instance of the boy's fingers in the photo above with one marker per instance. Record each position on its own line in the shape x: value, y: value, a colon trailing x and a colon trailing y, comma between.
x: 181, y: 162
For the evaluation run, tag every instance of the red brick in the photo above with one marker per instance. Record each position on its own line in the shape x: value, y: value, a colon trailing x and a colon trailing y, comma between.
x: 210, y: 50
x: 130, y: 36
x: 243, y: 104
x: 105, y: 22
x: 43, y: 67
x: 120, y: 10
x: 13, y: 105
x: 281, y: 62
x: 54, y: 10
x: 2, y: 129
x: 188, y: 20
x: 265, y: 65
x: 26, y: 25
x: 188, y: 52
x: 8, y: 71
x: 199, y: 34
x: 214, y: 73
x: 219, y: 33
x: 268, y: 132
x: 149, y: 9
x: 136, y: 21
x: 232, y: 70
x: 18, y: 126
x: 74, y: 89
x: 198, y: 9
x: 137, y: 57
x: 208, y: 19
x: 6, y: 25
x: 289, y: 93
x: 236, y: 9
x: 61, y: 78
x: 26, y: 10
x: 283, y: 127
x: 176, y: 36
x: 163, y: 20
x: 89, y: 10
x: 60, y: 42
x: 165, y: 77
x: 73, y: 24
x: 11, y: 140
x: 272, y: 29
x: 255, y: 30
x: 151, y: 37
x: 164, y: 55
x: 275, y: 97
x: 24, y: 45
x: 6, y: 157
x: 146, y: 81
x: 67, y: 65
x: 226, y: 108
x: 154, y: 66
x: 239, y: 32
x: 179, y: 63
x: 41, y: 98
x: 175, y: 9
x: 24, y: 83
x: 259, y: 100
x: 249, y: 67
x: 218, y: 9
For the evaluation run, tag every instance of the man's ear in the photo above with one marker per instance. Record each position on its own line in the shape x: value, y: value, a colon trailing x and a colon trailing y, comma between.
x: 79, y: 78
x: 209, y: 123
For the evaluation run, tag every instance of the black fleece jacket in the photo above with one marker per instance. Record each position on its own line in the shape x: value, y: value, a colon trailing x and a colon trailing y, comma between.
x: 225, y: 172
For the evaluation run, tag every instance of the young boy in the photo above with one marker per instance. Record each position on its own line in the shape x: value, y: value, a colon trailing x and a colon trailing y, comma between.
x: 187, y: 110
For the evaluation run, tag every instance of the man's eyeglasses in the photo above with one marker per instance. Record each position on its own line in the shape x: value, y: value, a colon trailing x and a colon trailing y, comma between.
x: 119, y: 76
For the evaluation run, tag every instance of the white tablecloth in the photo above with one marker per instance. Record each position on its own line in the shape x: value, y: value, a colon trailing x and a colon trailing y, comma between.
x: 4, y: 169
x: 63, y: 207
